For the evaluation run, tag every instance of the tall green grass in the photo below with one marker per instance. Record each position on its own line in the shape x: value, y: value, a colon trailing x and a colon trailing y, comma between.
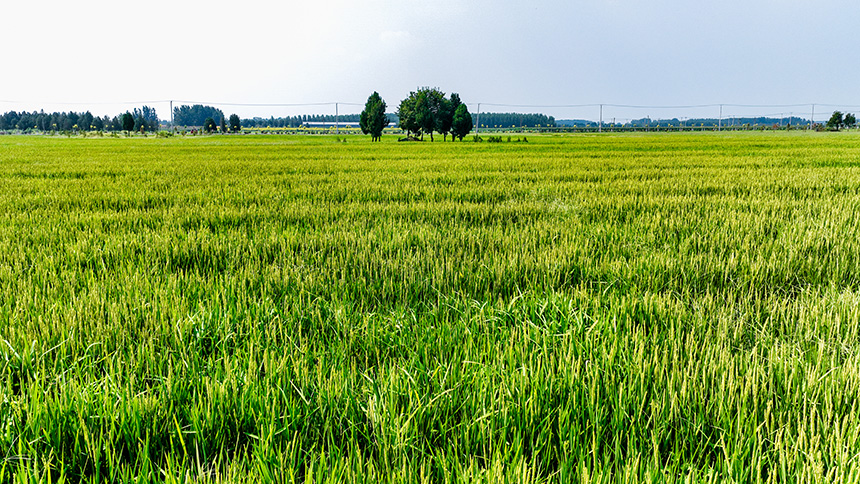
x: 622, y: 308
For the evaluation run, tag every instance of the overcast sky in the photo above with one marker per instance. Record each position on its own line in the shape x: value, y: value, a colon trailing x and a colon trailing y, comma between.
x: 653, y: 53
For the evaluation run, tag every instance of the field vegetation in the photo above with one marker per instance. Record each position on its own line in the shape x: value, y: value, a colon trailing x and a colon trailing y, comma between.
x: 591, y: 308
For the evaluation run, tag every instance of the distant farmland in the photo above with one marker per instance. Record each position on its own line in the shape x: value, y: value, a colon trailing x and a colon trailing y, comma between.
x: 624, y: 307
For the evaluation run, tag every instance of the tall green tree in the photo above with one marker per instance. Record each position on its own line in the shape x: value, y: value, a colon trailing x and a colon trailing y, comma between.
x: 209, y: 125
x: 835, y: 121
x: 127, y: 121
x: 373, y: 119
x: 407, y: 114
x: 462, y: 123
x: 235, y: 123
x: 431, y: 109
x: 85, y: 121
x: 444, y: 118
x: 453, y: 104
x: 849, y: 120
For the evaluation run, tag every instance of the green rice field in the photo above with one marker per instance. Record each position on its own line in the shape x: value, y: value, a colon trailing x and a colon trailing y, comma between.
x: 576, y: 308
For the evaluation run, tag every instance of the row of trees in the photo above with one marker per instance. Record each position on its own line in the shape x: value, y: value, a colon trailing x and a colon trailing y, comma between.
x: 144, y: 118
x: 198, y: 114
x: 837, y: 120
x: 503, y: 120
x: 424, y: 111
x: 235, y: 125
x: 295, y: 121
x: 515, y: 120
x: 299, y: 121
x: 428, y: 110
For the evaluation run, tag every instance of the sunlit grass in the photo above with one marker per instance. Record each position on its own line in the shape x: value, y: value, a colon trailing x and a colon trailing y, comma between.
x: 616, y: 308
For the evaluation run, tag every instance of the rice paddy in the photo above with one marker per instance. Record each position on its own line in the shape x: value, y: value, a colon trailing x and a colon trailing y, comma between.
x: 588, y: 308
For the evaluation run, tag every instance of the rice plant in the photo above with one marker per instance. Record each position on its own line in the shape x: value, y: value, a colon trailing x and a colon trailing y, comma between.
x: 624, y: 308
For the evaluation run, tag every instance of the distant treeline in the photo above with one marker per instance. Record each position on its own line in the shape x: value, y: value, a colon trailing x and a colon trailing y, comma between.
x: 694, y: 122
x: 197, y: 114
x: 734, y: 121
x: 297, y: 121
x: 72, y: 121
x: 503, y: 120
x: 513, y: 120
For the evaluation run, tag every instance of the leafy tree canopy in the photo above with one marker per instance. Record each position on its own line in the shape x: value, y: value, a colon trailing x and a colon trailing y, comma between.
x: 235, y: 123
x: 195, y: 115
x: 407, y: 114
x: 127, y: 121
x: 373, y: 119
x: 462, y: 122
x: 425, y: 111
x: 835, y: 121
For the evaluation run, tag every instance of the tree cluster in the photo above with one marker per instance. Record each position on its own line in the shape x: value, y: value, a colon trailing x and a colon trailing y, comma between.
x: 428, y: 110
x: 144, y: 118
x: 195, y: 115
x: 838, y: 120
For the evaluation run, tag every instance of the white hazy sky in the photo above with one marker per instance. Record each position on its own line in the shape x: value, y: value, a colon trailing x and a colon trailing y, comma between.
x: 538, y: 52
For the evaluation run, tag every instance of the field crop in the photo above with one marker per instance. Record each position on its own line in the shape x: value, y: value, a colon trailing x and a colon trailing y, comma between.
x: 592, y: 308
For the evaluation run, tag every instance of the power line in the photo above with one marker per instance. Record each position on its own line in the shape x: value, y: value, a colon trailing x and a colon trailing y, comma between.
x: 510, y: 105
x: 163, y: 101
x: 687, y: 106
x: 650, y: 106
x: 100, y: 103
x: 287, y: 105
x: 838, y: 105
x: 543, y: 106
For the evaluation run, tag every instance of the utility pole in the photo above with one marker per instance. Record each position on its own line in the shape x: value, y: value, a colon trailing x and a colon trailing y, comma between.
x: 478, y: 124
x: 336, y: 120
x: 812, y: 119
x: 600, y: 125
x: 720, y: 125
x: 171, y: 114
